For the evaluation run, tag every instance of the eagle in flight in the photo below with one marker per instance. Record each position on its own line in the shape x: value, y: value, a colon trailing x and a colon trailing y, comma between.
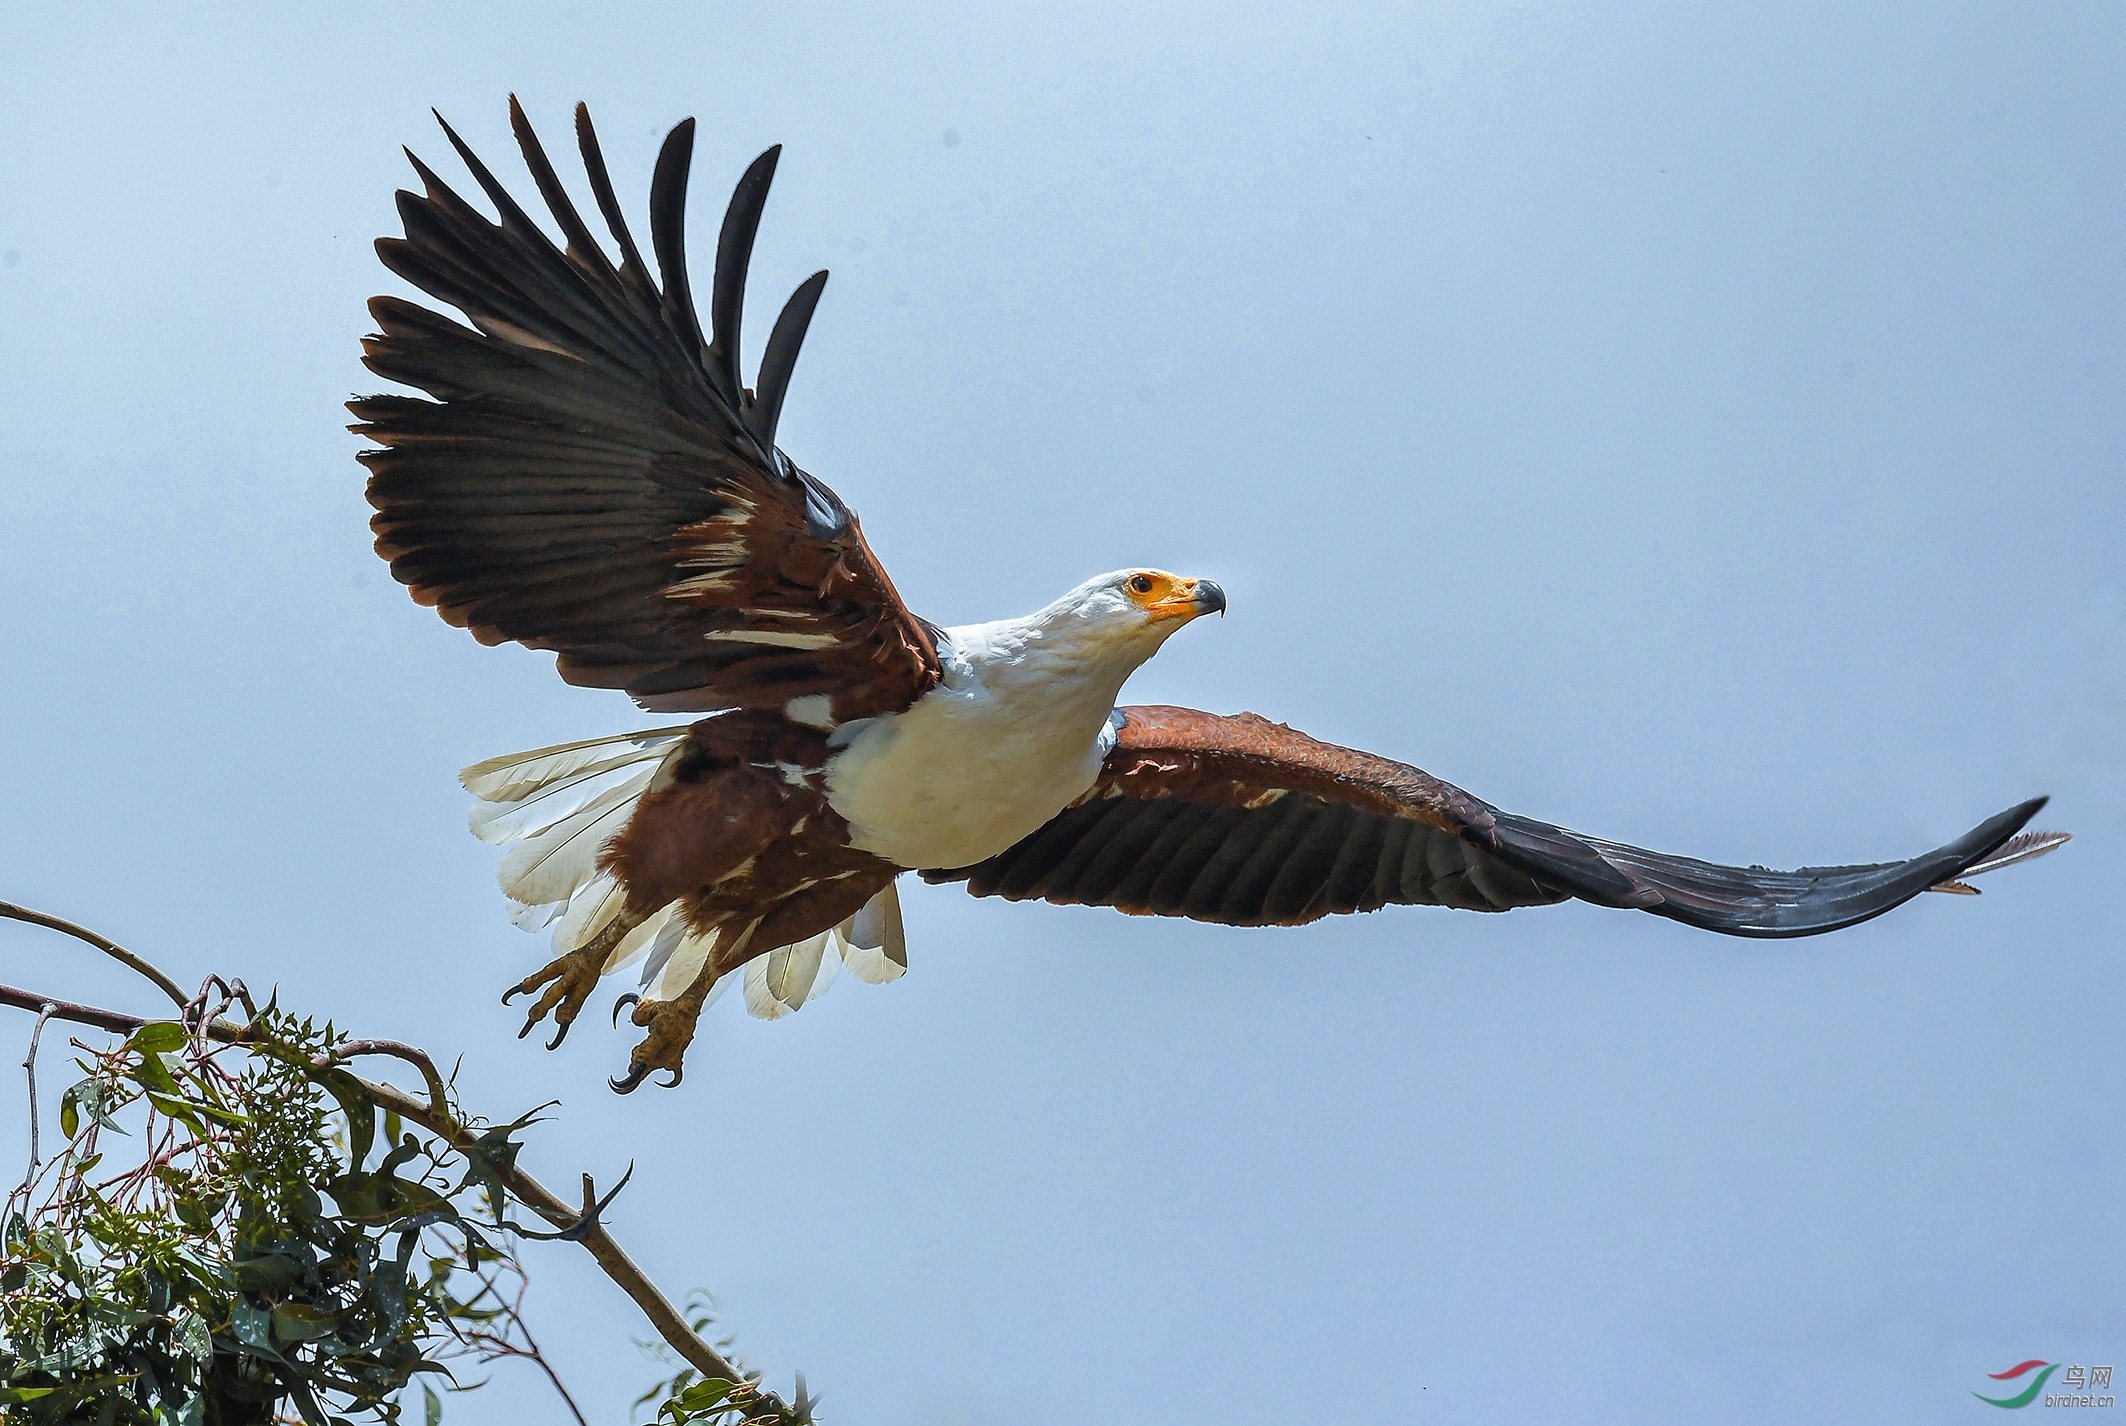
x: 590, y: 474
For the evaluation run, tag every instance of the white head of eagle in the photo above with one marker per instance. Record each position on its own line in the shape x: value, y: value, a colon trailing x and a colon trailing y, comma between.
x: 1016, y: 729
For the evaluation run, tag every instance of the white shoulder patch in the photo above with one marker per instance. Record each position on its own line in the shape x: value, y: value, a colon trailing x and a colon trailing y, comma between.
x: 814, y: 710
x: 1110, y: 734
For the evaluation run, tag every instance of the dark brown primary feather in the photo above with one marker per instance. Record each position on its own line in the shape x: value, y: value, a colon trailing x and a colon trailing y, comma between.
x: 592, y: 477
x: 1246, y: 822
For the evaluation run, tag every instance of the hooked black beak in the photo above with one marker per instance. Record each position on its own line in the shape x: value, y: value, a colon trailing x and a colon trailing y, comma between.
x: 1208, y: 598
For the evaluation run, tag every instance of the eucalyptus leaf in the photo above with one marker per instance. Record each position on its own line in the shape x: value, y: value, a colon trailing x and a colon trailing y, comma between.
x: 180, y: 1110
x: 361, y: 1114
x: 193, y: 1337
x: 302, y: 1322
x: 151, y: 1073
x: 159, y: 1037
x: 91, y: 1095
x: 254, y: 1329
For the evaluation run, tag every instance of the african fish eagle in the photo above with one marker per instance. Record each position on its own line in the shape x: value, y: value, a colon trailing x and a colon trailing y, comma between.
x: 592, y: 476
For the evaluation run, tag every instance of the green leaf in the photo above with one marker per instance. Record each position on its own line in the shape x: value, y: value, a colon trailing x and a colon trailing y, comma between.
x: 433, y: 1404
x: 117, y: 1314
x: 19, y: 1395
x: 159, y: 1037
x: 88, y: 1094
x: 361, y: 1114
x: 487, y: 1158
x: 152, y: 1074
x: 301, y: 1322
x: 254, y: 1329
x: 193, y: 1338
x: 220, y: 1115
x: 702, y: 1396
x: 179, y: 1109
x: 268, y: 1272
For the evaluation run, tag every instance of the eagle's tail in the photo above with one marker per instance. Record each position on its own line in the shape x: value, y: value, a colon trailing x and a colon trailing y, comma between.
x: 870, y: 943
x: 556, y: 808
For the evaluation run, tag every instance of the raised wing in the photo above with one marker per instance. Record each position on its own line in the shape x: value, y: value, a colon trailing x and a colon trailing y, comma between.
x: 592, y: 476
x: 1245, y: 822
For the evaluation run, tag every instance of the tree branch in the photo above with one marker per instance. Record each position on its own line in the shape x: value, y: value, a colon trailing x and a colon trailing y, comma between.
x: 618, y: 1265
x: 529, y: 1191
x: 109, y: 947
x: 438, y: 1096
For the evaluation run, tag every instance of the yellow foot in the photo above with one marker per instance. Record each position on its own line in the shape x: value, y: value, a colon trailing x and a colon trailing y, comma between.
x: 671, y: 1026
x: 573, y: 976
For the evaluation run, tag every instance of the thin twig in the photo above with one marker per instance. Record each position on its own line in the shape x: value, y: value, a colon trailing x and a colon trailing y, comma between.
x: 102, y: 943
x: 29, y: 1064
x: 507, y: 1348
x: 529, y: 1191
x: 500, y: 1348
x: 538, y: 1356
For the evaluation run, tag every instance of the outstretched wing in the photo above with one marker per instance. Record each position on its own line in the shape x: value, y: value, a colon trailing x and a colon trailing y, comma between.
x: 1245, y: 822
x: 593, y: 477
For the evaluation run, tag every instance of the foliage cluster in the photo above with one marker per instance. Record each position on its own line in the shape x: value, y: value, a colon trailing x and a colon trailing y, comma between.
x: 687, y: 1398
x: 252, y: 1253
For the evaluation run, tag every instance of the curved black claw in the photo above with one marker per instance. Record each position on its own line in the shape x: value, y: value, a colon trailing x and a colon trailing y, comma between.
x: 636, y: 1076
x: 560, y: 1034
x: 623, y: 1003
x: 512, y: 993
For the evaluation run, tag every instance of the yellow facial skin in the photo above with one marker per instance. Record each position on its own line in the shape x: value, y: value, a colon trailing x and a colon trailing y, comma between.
x: 1169, y: 596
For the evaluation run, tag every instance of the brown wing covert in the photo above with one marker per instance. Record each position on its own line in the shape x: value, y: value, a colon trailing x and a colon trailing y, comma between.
x: 591, y: 476
x: 1246, y: 822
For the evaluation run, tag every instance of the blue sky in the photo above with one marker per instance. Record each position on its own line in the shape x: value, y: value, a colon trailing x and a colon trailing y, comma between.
x: 1695, y: 427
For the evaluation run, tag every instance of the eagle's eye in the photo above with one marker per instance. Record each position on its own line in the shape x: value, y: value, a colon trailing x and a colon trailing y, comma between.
x: 1140, y: 584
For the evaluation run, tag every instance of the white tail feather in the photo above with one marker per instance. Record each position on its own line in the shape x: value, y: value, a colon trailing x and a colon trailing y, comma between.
x: 538, y: 917
x: 679, y: 973
x: 781, y: 981
x: 560, y: 806
x: 636, y: 942
x: 873, y: 945
x: 498, y: 822
x: 830, y: 965
x: 515, y: 776
x: 590, y: 911
x: 676, y: 957
x: 551, y: 865
x: 870, y: 943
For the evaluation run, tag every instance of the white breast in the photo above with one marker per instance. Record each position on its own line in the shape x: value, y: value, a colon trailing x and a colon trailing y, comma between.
x: 1014, y: 734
